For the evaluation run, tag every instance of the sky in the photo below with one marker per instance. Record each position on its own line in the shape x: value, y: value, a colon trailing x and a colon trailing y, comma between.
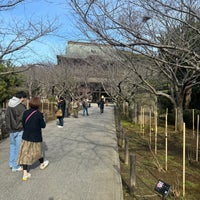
x: 46, y: 48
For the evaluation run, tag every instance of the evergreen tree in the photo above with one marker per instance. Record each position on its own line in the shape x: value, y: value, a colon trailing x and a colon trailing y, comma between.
x: 8, y: 82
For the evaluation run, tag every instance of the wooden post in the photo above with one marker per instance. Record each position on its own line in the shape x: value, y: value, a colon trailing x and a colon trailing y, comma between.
x: 132, y: 172
x: 176, y: 119
x: 166, y: 148
x: 156, y: 132
x: 127, y: 108
x: 27, y: 103
x: 143, y: 122
x: 42, y: 107
x: 123, y: 108
x: 126, y: 151
x: 183, y: 159
x: 122, y: 138
x: 141, y: 119
x: 150, y: 128
x: 52, y: 111
x: 197, y: 142
x: 193, y: 122
x: 136, y: 117
x: 119, y: 136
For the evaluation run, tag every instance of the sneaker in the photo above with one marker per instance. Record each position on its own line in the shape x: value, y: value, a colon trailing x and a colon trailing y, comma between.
x: 17, y: 169
x: 44, y: 164
x: 25, y: 178
x: 60, y: 126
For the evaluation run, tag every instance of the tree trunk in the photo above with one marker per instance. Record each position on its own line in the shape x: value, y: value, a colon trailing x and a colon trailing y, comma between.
x: 178, y: 105
x: 131, y: 111
x: 188, y: 98
x: 179, y: 118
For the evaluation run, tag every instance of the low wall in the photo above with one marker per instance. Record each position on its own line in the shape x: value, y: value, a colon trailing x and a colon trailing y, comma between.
x: 3, y: 132
x: 47, y: 108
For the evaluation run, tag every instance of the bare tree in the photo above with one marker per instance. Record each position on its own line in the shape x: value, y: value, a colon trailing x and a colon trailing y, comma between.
x: 6, y: 4
x: 17, y: 35
x: 37, y: 79
x: 166, y: 31
x: 48, y: 80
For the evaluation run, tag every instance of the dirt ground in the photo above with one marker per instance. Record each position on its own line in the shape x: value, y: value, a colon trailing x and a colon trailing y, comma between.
x: 151, y: 167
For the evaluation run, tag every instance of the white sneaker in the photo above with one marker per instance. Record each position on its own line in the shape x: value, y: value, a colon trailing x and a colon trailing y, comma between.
x: 60, y: 126
x: 17, y: 170
x: 44, y: 164
x: 25, y: 178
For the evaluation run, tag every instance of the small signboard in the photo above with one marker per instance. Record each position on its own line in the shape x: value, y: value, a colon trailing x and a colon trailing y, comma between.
x: 162, y: 188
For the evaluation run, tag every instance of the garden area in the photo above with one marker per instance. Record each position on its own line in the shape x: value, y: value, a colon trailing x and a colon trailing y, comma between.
x: 151, y: 167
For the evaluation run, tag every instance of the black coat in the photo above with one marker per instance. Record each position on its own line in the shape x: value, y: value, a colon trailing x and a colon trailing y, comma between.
x: 62, y: 106
x: 101, y: 104
x: 33, y: 127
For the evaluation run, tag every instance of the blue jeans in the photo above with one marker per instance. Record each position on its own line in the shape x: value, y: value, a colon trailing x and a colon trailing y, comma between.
x: 61, y: 121
x: 15, y: 142
x: 85, y: 110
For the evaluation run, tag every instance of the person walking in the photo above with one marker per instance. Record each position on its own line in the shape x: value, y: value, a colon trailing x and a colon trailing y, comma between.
x: 85, y: 107
x: 32, y: 141
x: 62, y: 106
x: 75, y: 107
x: 101, y: 105
x: 13, y: 118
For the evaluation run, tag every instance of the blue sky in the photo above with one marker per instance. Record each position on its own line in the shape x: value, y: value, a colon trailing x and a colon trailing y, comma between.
x: 48, y: 47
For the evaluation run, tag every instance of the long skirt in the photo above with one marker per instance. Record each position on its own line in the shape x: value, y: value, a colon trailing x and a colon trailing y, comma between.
x: 29, y: 152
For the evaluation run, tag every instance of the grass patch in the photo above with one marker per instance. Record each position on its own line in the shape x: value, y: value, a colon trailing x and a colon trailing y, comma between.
x: 151, y: 167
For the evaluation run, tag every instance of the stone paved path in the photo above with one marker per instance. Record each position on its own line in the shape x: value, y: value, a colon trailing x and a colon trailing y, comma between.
x: 84, y: 162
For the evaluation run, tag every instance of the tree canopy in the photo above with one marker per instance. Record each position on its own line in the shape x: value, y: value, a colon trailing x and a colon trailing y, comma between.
x: 166, y: 31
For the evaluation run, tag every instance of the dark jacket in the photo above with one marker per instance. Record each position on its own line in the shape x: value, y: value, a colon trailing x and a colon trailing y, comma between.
x: 14, y: 114
x: 33, y: 127
x: 62, y: 106
x: 101, y: 104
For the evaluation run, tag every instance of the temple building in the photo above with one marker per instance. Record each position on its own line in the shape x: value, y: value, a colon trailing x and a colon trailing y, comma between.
x: 89, y: 62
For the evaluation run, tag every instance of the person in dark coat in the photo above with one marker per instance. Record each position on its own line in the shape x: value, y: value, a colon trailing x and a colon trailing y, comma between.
x: 32, y: 141
x: 13, y: 117
x: 62, y: 106
x: 101, y: 105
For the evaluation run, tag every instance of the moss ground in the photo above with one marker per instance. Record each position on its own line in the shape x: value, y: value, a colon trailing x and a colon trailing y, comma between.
x: 151, y: 167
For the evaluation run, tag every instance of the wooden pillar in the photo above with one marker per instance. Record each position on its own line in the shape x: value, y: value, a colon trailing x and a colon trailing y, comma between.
x: 166, y: 142
x: 150, y: 128
x: 176, y: 120
x: 156, y: 132
x: 126, y: 152
x: 122, y: 138
x: 197, y: 140
x: 132, y: 172
x: 42, y: 107
x: 183, y: 159
x: 193, y: 122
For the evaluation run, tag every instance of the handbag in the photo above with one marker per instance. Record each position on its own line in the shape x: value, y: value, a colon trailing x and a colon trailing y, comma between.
x: 59, y: 113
